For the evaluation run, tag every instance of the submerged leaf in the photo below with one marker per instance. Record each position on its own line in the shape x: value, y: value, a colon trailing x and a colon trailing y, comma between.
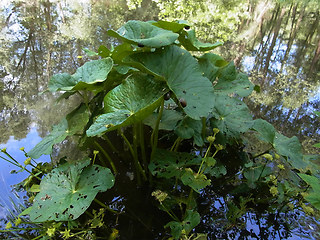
x: 67, y: 191
x: 144, y: 34
x: 131, y: 101
x: 168, y: 164
x: 182, y: 75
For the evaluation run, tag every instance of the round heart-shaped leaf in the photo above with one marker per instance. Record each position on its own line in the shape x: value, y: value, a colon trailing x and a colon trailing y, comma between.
x: 67, y: 191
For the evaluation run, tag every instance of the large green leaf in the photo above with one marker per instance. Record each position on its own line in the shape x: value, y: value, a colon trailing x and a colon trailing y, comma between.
x: 231, y: 116
x: 68, y: 191
x: 168, y: 164
x: 290, y: 148
x: 190, y: 42
x: 131, y: 101
x: 194, y: 180
x: 144, y: 34
x: 183, y: 76
x: 73, y: 123
x: 83, y: 79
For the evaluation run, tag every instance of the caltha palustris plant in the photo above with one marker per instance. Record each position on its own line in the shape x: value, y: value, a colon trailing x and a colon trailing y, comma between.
x: 160, y: 117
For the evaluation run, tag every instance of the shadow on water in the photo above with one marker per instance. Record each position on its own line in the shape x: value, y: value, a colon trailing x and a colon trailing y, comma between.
x: 278, y: 46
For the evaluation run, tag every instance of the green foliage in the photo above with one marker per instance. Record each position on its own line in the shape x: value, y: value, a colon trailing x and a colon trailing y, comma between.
x: 183, y: 131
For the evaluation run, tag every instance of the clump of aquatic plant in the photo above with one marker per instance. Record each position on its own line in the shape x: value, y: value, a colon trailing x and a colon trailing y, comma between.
x: 154, y: 114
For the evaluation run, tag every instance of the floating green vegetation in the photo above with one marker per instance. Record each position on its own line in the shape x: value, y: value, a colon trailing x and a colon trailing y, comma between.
x: 171, y: 125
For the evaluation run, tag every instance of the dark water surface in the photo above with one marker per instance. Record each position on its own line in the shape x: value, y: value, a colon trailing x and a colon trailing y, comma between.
x: 278, y: 46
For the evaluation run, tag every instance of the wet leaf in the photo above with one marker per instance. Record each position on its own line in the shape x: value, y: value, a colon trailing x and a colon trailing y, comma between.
x: 182, y: 74
x: 168, y: 164
x: 83, y: 79
x: 67, y: 191
x: 194, y: 180
x: 231, y: 116
x: 255, y: 173
x: 144, y: 33
x: 314, y: 199
x: 132, y: 101
x: 103, y: 51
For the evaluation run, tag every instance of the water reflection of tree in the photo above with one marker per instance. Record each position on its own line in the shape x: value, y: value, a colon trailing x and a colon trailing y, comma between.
x: 38, y: 39
x: 285, y: 67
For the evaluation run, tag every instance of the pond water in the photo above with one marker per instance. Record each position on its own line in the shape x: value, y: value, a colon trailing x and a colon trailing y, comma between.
x: 278, y: 46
